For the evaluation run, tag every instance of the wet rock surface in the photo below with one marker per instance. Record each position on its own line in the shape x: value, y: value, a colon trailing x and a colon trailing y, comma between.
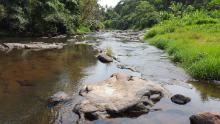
x: 180, y: 99
x: 130, y: 35
x: 121, y: 95
x: 3, y: 47
x: 59, y: 36
x: 59, y: 97
x: 85, y: 43
x: 124, y: 66
x: 7, y: 47
x: 104, y: 58
x: 205, y: 118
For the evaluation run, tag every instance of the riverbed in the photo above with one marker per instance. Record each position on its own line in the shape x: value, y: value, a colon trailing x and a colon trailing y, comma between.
x: 28, y: 78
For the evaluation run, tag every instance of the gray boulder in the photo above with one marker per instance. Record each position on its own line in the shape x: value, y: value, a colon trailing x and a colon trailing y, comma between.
x: 121, y: 95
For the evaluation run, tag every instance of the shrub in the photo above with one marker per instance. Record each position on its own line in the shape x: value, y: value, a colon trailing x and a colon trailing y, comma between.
x: 82, y: 29
x: 151, y: 33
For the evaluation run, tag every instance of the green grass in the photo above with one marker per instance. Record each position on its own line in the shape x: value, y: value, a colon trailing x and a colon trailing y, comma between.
x: 193, y: 42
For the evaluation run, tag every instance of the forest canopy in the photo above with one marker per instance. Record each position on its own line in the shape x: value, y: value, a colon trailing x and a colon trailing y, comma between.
x: 53, y: 17
x: 48, y: 17
x: 141, y: 14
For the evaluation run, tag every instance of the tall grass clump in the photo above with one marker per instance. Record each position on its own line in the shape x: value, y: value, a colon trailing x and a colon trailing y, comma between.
x: 192, y: 41
x: 109, y: 52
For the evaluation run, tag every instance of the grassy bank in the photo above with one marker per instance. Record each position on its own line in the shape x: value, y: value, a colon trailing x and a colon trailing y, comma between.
x: 193, y: 42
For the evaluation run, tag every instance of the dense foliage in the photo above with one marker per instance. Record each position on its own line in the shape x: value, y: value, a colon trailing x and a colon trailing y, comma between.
x: 47, y: 17
x: 140, y: 14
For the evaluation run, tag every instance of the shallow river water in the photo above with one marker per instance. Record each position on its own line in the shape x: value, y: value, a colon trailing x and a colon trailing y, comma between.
x: 28, y: 78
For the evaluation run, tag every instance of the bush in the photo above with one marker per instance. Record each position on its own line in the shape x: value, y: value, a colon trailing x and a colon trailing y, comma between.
x: 151, y: 33
x: 83, y: 29
x: 108, y: 24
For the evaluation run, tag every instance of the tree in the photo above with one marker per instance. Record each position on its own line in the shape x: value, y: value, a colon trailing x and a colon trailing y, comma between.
x: 91, y: 13
x: 136, y: 14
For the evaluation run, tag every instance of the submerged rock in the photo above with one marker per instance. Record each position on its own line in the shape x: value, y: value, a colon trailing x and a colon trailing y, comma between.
x: 57, y: 98
x: 85, y: 43
x: 104, y: 58
x: 123, y: 66
x: 180, y: 99
x: 205, y: 118
x: 25, y: 83
x: 121, y: 95
x: 59, y: 36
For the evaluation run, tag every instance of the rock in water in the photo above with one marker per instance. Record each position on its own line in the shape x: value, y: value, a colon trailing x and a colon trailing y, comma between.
x: 104, y: 58
x: 3, y: 47
x: 121, y: 95
x: 122, y: 66
x: 205, y: 118
x: 180, y: 99
x: 33, y: 45
x: 57, y: 98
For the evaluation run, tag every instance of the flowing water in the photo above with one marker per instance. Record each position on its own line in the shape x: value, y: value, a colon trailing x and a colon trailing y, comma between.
x: 28, y: 78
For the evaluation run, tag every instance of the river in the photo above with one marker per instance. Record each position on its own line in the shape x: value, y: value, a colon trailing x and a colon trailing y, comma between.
x: 28, y: 78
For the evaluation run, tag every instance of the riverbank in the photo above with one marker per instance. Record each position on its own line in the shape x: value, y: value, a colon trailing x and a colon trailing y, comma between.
x: 193, y: 43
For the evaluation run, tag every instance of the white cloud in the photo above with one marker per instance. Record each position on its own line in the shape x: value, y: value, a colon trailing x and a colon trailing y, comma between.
x: 109, y: 3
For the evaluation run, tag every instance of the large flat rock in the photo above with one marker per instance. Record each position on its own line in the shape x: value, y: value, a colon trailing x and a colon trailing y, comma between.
x: 6, y: 47
x: 121, y: 95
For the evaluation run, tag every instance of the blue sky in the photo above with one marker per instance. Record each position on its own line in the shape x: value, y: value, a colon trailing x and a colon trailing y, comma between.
x: 108, y: 2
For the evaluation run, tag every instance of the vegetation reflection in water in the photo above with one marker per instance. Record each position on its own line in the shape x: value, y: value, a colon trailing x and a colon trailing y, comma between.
x: 207, y: 90
x: 28, y: 78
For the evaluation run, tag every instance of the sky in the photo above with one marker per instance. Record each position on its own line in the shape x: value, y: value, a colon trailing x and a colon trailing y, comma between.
x: 109, y: 3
